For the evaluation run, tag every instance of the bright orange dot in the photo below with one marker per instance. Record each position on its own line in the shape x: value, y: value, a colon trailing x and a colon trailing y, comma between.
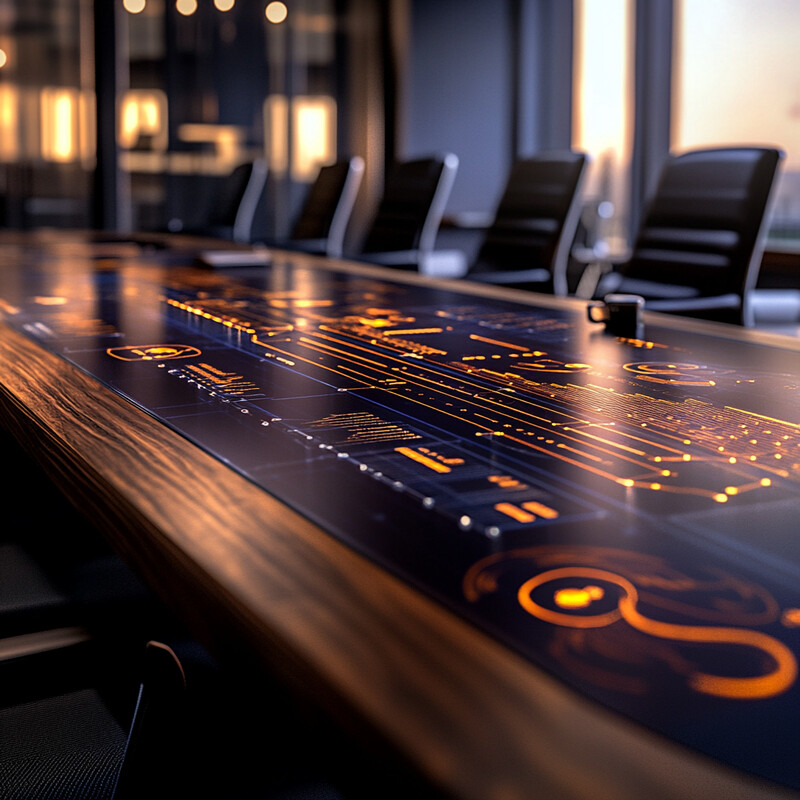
x: 578, y: 598
x: 791, y: 618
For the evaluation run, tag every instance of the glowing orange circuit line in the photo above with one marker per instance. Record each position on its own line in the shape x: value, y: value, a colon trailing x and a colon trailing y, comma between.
x: 372, y: 379
x: 441, y: 387
x: 438, y: 384
x: 541, y: 509
x: 662, y: 434
x: 577, y: 452
x: 582, y: 432
x: 255, y: 340
x: 430, y: 463
x: 477, y: 387
x: 612, y: 453
x: 660, y: 487
x: 369, y: 379
x: 339, y: 351
x: 336, y: 372
x: 410, y: 331
x: 546, y: 451
x: 407, y: 378
x: 381, y: 369
x: 762, y: 416
x: 501, y: 378
x: 515, y: 512
x: 497, y: 342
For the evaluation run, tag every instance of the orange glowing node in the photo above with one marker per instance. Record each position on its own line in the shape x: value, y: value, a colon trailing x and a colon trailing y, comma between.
x: 578, y: 598
x: 791, y: 618
x: 153, y: 352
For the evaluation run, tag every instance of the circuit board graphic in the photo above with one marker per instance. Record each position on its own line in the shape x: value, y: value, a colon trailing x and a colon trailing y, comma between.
x: 623, y: 512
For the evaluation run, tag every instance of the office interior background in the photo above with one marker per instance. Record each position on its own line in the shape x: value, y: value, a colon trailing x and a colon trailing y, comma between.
x: 125, y: 115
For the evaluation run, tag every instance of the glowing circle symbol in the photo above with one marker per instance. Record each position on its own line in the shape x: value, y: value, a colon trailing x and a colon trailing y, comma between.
x: 578, y: 598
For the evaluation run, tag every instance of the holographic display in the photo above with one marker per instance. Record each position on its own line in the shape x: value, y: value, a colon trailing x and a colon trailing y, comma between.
x: 622, y: 512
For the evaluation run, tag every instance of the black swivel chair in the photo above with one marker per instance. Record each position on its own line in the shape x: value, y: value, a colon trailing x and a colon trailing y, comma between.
x: 699, y: 245
x: 527, y: 245
x: 234, y: 207
x: 403, y: 231
x: 65, y: 733
x: 321, y: 226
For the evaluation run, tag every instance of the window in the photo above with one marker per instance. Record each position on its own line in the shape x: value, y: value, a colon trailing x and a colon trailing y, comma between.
x: 602, y: 105
x: 213, y: 85
x: 736, y: 80
x: 47, y: 114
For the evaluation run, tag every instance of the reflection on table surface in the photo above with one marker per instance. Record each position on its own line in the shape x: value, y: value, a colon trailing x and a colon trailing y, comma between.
x: 621, y: 512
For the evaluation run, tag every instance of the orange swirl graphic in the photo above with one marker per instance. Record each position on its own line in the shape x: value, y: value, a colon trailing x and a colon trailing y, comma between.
x: 773, y: 683
x: 682, y: 374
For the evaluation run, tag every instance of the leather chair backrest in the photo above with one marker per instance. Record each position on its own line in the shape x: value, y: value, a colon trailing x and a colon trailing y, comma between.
x: 235, y: 206
x: 327, y: 208
x: 537, y: 213
x: 703, y: 224
x: 412, y: 205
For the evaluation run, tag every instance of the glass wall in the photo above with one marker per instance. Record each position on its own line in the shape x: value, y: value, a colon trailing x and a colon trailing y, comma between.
x: 47, y: 113
x: 737, y: 80
x: 187, y: 90
x: 215, y: 84
x: 602, y: 114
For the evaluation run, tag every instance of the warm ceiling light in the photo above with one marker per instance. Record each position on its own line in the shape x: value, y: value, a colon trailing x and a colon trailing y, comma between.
x: 186, y: 7
x: 224, y: 5
x: 3, y: 58
x: 133, y: 6
x: 276, y: 12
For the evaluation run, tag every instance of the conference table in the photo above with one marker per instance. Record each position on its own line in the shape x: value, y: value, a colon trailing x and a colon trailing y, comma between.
x: 532, y: 557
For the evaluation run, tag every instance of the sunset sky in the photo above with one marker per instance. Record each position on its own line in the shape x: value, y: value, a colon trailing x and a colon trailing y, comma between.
x: 736, y: 74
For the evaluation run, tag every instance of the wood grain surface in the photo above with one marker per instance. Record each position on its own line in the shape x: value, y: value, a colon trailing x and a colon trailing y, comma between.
x: 244, y: 571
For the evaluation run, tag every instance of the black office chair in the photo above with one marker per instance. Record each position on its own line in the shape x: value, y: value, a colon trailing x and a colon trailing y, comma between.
x: 64, y: 732
x: 322, y: 223
x: 698, y: 248
x: 527, y: 245
x: 403, y: 231
x: 59, y: 579
x: 233, y: 209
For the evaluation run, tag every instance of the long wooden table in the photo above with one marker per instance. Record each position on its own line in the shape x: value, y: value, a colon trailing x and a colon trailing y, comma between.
x: 577, y: 609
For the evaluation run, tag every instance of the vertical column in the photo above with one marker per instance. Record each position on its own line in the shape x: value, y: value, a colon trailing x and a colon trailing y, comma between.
x: 543, y: 75
x: 111, y: 208
x: 652, y: 98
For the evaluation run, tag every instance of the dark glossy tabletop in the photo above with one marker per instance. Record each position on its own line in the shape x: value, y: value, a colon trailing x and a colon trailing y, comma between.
x: 619, y: 513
